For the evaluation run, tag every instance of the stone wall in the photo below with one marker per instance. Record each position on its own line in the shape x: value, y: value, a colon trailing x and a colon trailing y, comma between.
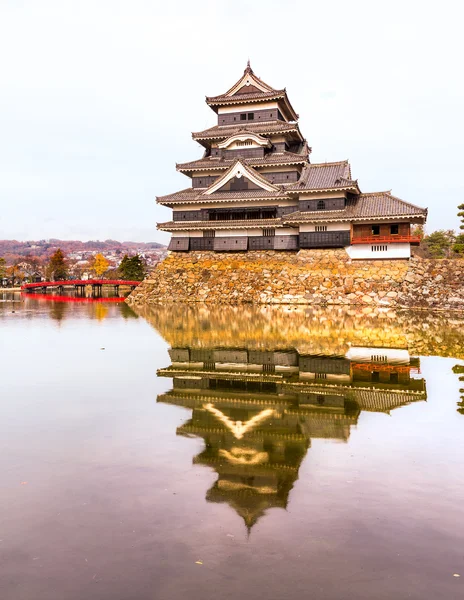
x: 317, y: 277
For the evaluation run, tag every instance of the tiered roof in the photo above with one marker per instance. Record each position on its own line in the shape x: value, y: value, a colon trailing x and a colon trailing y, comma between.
x: 264, y: 128
x: 326, y: 176
x: 250, y: 88
x: 220, y: 164
x: 376, y: 205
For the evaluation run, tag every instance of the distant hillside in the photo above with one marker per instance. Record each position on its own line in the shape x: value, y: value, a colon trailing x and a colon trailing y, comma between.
x: 44, y: 248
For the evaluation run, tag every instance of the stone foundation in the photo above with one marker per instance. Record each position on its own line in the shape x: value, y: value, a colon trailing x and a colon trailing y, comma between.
x: 317, y: 277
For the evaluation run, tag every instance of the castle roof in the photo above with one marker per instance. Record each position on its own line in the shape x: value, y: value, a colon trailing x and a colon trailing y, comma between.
x: 219, y: 163
x: 250, y: 88
x: 323, y: 176
x: 264, y: 128
x: 375, y: 205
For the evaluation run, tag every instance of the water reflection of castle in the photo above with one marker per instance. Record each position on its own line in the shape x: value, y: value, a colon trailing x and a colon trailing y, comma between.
x: 258, y: 410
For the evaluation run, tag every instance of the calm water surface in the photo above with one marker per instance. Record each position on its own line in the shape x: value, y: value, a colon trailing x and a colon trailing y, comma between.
x: 229, y: 453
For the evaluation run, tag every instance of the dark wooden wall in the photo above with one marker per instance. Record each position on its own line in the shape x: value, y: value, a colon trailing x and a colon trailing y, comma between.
x: 324, y: 239
x: 329, y: 204
x: 273, y: 114
x: 284, y: 177
x: 365, y: 230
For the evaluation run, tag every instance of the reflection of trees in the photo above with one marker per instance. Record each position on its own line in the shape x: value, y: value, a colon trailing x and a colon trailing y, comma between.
x: 101, y: 311
x: 326, y: 330
x: 58, y: 310
x: 459, y: 370
x: 127, y: 312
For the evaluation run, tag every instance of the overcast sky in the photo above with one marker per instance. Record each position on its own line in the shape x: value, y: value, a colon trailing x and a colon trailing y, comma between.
x: 98, y: 99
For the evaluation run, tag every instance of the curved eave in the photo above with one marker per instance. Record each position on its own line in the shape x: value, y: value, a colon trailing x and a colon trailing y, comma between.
x: 212, y: 200
x: 322, y: 190
x: 352, y: 218
x: 199, y: 137
x: 280, y: 95
x: 182, y: 168
x: 172, y: 227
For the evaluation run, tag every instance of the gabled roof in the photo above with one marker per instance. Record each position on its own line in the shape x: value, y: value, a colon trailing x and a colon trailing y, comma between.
x: 244, y: 135
x: 259, y: 91
x: 220, y: 164
x: 373, y: 206
x: 385, y: 204
x: 325, y: 176
x: 264, y: 128
x: 239, y: 169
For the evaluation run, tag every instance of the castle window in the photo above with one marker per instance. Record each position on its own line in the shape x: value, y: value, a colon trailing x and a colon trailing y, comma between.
x: 251, y: 116
x: 379, y: 248
x: 321, y: 227
x: 208, y: 233
x: 321, y: 205
x: 268, y: 232
x: 394, y: 229
x: 243, y: 117
x: 375, y: 229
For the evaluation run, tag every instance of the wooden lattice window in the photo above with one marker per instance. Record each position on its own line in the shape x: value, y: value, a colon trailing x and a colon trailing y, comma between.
x: 268, y: 232
x: 209, y: 233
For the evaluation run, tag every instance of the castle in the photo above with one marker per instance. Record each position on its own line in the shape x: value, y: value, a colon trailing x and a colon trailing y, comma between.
x: 256, y: 189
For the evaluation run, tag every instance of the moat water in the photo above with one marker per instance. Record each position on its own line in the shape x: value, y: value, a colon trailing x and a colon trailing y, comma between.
x: 192, y: 452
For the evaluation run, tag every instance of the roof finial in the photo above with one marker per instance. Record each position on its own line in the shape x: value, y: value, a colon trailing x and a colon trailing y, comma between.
x: 248, y: 67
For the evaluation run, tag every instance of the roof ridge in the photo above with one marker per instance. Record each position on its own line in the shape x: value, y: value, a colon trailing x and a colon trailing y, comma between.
x: 324, y: 164
x: 388, y: 193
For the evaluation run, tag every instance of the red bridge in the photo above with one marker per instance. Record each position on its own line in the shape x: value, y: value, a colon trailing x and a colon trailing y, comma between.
x: 79, y: 285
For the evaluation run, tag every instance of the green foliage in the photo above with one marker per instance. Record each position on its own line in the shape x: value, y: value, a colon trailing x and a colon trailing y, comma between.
x: 458, y: 247
x: 461, y: 215
x: 2, y: 268
x: 459, y: 370
x: 132, y: 268
x: 57, y: 268
x: 439, y: 244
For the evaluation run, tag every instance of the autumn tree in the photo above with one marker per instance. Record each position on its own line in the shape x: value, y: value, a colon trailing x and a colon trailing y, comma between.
x: 57, y: 268
x: 2, y: 268
x: 32, y: 265
x: 100, y: 264
x: 132, y: 268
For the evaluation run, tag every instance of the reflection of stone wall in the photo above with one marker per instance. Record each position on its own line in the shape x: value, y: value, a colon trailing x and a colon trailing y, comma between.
x: 307, y: 277
x: 309, y: 330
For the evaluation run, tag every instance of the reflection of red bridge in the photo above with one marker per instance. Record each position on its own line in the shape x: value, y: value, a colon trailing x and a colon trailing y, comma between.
x: 79, y: 299
x: 79, y: 285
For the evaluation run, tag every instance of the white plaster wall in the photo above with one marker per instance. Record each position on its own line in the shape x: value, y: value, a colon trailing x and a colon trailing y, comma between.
x: 332, y: 377
x: 183, y: 234
x: 391, y: 355
x: 364, y: 251
x: 330, y: 226
x: 247, y: 107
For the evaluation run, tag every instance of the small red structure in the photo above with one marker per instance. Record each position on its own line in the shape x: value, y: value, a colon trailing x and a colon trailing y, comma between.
x: 79, y: 284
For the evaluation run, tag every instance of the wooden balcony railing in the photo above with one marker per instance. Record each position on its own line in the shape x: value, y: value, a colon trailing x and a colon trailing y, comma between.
x: 386, y: 239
